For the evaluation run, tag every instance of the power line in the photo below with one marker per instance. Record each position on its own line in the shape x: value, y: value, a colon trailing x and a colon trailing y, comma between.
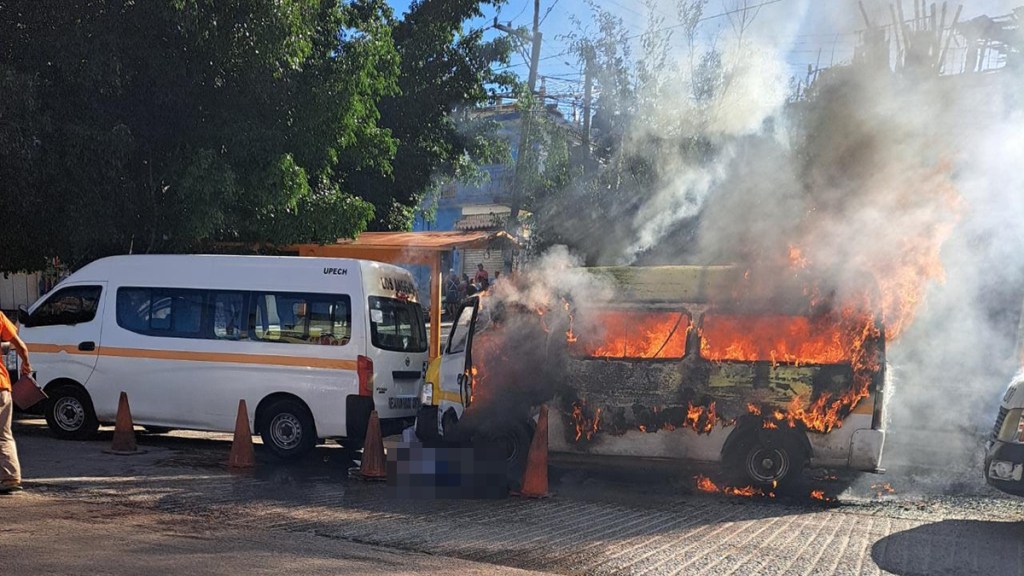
x: 526, y: 5
x: 663, y: 28
x: 706, y: 18
x: 550, y: 8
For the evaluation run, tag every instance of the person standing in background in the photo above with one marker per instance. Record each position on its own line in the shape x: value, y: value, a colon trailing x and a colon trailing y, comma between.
x: 451, y: 294
x: 10, y: 468
x: 480, y: 279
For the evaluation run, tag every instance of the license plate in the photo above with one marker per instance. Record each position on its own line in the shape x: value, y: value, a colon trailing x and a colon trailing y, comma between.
x: 407, y: 403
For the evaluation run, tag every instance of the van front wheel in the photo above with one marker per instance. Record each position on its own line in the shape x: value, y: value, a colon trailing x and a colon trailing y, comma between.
x: 69, y: 413
x: 288, y: 429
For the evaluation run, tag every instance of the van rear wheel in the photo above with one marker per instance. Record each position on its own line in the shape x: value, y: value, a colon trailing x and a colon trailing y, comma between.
x: 288, y: 430
x: 772, y: 460
x: 69, y: 413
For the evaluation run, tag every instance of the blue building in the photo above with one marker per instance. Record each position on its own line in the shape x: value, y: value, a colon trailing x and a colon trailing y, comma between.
x: 483, y: 205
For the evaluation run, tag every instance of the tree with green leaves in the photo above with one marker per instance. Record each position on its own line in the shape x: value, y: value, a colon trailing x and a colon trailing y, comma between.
x: 447, y: 70
x: 164, y: 126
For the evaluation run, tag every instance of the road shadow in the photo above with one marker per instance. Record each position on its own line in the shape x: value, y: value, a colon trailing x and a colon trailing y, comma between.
x: 628, y: 481
x: 167, y: 455
x: 640, y: 517
x: 955, y: 548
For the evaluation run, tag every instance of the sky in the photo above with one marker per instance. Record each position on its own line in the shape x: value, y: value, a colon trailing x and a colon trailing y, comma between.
x: 813, y: 32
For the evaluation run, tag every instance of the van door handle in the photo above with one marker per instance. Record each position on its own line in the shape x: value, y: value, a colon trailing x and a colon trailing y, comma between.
x: 87, y: 346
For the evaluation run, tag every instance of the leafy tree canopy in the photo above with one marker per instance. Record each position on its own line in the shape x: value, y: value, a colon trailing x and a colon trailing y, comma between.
x: 446, y: 71
x: 162, y: 125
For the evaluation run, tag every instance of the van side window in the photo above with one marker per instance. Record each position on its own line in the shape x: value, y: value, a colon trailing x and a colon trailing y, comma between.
x: 228, y: 315
x: 161, y: 312
x: 298, y: 318
x: 460, y: 334
x: 397, y: 325
x: 67, y: 306
x: 635, y: 334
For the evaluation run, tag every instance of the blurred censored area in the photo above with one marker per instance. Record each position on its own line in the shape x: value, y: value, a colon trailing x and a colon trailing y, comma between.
x: 416, y: 471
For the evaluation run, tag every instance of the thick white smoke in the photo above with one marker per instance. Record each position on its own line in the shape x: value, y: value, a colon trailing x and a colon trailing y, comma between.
x: 909, y: 182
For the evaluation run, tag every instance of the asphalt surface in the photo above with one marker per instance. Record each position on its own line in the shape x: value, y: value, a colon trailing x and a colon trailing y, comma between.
x: 46, y: 535
x: 622, y: 517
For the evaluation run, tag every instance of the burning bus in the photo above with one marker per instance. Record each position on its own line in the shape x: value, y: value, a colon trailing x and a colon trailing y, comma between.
x: 685, y: 362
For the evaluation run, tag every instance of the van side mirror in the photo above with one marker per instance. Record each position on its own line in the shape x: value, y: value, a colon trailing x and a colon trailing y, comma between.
x: 23, y: 315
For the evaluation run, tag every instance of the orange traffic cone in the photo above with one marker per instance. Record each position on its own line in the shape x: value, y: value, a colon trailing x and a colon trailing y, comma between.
x: 535, y: 479
x: 124, y: 431
x: 242, y: 454
x: 372, y: 466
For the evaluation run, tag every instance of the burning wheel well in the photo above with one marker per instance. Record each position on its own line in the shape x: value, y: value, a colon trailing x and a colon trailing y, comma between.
x: 766, y: 457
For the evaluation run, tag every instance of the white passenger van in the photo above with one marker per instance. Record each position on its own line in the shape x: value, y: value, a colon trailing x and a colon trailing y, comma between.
x: 312, y: 345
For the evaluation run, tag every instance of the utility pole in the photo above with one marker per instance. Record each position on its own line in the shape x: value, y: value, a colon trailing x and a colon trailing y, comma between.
x: 588, y: 92
x: 526, y: 122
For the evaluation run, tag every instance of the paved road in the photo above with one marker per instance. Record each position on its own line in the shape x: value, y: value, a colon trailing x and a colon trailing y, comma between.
x: 602, y: 521
x: 46, y: 535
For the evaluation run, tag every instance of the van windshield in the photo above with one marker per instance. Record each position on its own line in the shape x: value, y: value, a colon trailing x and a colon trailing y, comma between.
x: 397, y: 325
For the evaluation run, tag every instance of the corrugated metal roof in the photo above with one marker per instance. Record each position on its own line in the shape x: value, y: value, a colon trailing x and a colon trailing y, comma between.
x: 477, y: 222
x: 428, y: 240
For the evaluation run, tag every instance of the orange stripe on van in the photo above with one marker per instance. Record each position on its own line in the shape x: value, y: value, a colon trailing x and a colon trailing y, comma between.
x: 54, y: 349
x: 223, y: 357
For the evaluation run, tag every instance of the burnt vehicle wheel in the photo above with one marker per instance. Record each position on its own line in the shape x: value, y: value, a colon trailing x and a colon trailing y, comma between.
x: 69, y: 413
x: 287, y: 429
x: 511, y: 440
x: 773, y: 460
x: 450, y: 426
x: 426, y: 425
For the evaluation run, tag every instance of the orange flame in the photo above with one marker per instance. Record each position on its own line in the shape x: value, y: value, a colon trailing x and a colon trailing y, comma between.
x: 475, y: 378
x: 570, y: 337
x: 753, y: 409
x: 636, y: 334
x: 701, y: 419
x: 705, y: 484
x: 832, y: 338
x: 829, y: 339
x: 783, y: 339
x: 883, y: 489
x: 820, y: 495
x: 796, y: 258
x: 746, y: 491
x: 586, y: 427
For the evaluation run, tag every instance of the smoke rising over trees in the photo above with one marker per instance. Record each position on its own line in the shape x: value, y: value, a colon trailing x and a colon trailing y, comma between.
x: 886, y: 171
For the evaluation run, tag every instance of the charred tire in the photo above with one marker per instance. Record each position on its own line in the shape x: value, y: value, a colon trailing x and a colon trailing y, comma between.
x: 69, y: 413
x: 287, y: 429
x: 512, y: 440
x: 426, y: 424
x: 450, y: 426
x: 770, y: 459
